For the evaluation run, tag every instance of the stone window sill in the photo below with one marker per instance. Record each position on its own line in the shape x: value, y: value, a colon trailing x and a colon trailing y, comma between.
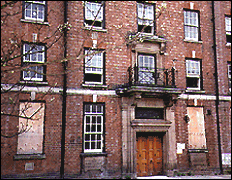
x: 29, y: 156
x: 93, y: 154
x: 195, y: 91
x: 34, y: 21
x: 94, y: 85
x: 192, y: 41
x: 94, y: 28
x: 33, y: 83
x: 198, y: 150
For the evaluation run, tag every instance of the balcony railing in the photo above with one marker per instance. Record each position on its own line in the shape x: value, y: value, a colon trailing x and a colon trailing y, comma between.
x: 145, y: 76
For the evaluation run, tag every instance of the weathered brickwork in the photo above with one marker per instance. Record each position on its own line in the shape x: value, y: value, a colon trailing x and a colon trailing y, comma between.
x: 120, y: 99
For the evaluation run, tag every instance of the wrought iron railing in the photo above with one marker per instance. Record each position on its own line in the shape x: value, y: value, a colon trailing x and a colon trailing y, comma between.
x: 144, y: 76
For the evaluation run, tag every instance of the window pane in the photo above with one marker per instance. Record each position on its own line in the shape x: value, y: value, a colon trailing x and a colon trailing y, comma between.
x: 98, y: 128
x: 28, y: 9
x: 39, y: 72
x: 94, y: 119
x: 99, y: 108
x: 26, y: 74
x: 98, y: 137
x: 40, y: 12
x: 87, y: 145
x: 87, y: 137
x: 34, y: 11
x: 92, y: 137
x: 87, y: 128
x: 93, y: 145
x: 99, y: 119
x: 98, y: 145
x: 87, y: 108
x: 192, y: 82
x: 93, y: 128
x: 94, y: 108
x: 87, y: 119
x: 27, y: 49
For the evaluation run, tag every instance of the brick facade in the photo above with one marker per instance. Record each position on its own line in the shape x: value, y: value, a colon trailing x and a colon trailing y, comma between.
x: 120, y: 99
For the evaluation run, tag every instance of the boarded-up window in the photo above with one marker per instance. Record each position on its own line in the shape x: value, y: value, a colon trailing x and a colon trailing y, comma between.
x: 31, y: 141
x: 196, y: 128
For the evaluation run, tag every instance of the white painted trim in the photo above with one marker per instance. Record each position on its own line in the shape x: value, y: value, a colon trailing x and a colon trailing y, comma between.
x: 204, y: 97
x: 92, y: 92
x: 5, y: 87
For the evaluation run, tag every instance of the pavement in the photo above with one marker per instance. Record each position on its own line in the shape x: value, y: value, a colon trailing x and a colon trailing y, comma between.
x: 188, y: 177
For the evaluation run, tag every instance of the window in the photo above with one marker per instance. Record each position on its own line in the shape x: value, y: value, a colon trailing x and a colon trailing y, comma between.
x: 94, y: 67
x: 93, y: 127
x: 35, y: 10
x: 193, y: 74
x: 94, y: 15
x: 229, y: 75
x: 149, y: 113
x: 146, y: 18
x: 32, y: 128
x: 146, y: 68
x: 191, y: 25
x: 34, y: 57
x: 228, y: 29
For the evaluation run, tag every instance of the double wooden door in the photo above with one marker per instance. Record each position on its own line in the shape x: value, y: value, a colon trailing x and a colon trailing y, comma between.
x: 149, y: 155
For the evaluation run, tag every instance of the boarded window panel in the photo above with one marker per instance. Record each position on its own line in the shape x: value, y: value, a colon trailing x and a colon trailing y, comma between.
x: 31, y: 142
x: 196, y: 128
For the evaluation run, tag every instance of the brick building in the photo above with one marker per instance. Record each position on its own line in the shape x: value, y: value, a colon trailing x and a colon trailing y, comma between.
x: 132, y: 88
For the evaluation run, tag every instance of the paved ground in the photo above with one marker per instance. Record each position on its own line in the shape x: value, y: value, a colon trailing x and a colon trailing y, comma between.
x: 188, y: 177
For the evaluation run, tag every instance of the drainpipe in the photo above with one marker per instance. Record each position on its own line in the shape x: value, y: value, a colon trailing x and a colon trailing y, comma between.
x: 217, y: 91
x: 64, y: 96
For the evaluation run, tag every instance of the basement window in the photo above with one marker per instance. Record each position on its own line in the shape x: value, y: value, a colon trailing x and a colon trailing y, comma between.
x: 149, y: 113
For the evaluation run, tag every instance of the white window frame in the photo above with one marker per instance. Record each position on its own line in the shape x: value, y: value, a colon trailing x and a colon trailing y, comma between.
x: 91, y: 115
x: 34, y: 3
x: 228, y: 26
x: 33, y: 62
x: 97, y: 56
x: 229, y: 75
x: 146, y: 68
x: 196, y: 72
x: 147, y: 18
x: 191, y: 25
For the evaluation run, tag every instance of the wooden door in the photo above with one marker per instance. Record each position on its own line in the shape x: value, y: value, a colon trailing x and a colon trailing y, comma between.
x: 149, y: 155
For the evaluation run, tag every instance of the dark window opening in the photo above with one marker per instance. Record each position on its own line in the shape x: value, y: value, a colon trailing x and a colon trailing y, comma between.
x: 96, y: 23
x: 146, y: 29
x: 228, y: 38
x: 149, y: 113
x: 93, y: 78
x: 192, y: 82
